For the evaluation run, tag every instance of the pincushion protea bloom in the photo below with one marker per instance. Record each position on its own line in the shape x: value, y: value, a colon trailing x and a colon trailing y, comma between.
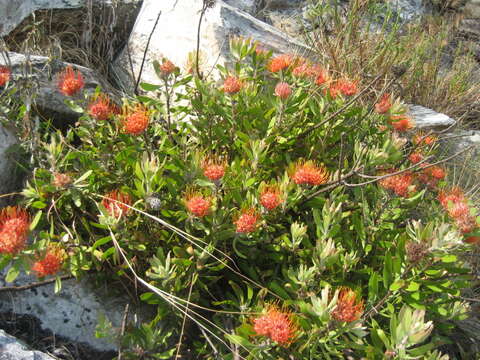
x: 348, y: 308
x: 213, y: 168
x: 384, y: 104
x: 270, y: 197
x: 135, y: 119
x: 167, y: 67
x: 14, y: 226
x: 401, y: 122
x: 276, y: 324
x: 115, y: 203
x: 456, y: 205
x: 61, y: 180
x: 197, y: 204
x: 431, y: 175
x: 70, y: 82
x: 400, y: 184
x: 309, y: 173
x: 232, y: 85
x: 415, y: 157
x: 346, y: 87
x: 280, y: 62
x: 50, y: 263
x: 101, y: 108
x: 5, y: 74
x: 247, y: 221
x: 282, y: 90
x: 421, y: 138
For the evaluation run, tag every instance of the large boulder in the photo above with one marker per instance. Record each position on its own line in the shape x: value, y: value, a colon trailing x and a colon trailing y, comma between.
x: 428, y: 119
x: 176, y: 36
x: 7, y: 163
x: 12, y: 349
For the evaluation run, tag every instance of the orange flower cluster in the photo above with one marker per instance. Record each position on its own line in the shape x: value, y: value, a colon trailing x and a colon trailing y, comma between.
x: 5, y: 74
x: 51, y: 263
x: 247, y: 221
x: 430, y: 176
x: 308, y: 173
x: 456, y: 205
x: 270, y: 197
x: 101, y: 108
x: 14, y: 226
x: 213, y: 168
x: 197, y: 204
x: 70, y: 82
x: 415, y: 157
x: 421, y: 138
x: 277, y: 325
x: 401, y: 123
x: 384, y: 104
x: 283, y: 90
x: 115, y: 203
x: 135, y: 120
x: 167, y: 67
x: 348, y: 308
x: 280, y: 62
x: 61, y: 180
x: 401, y: 184
x: 232, y: 85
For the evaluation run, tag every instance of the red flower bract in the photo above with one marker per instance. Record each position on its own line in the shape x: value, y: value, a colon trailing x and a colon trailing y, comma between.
x: 14, y: 226
x: 232, y: 85
x: 213, y: 168
x: 348, y: 308
x: 401, y: 122
x: 5, y: 74
x: 384, y: 104
x: 70, y: 82
x: 100, y: 109
x: 115, y: 203
x: 270, y: 197
x: 197, y: 204
x: 282, y: 90
x: 247, y: 221
x: 135, y: 120
x: 51, y: 263
x: 280, y: 62
x: 277, y: 325
x: 308, y: 173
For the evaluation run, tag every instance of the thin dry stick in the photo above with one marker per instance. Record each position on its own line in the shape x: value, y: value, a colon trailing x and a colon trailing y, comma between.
x: 33, y: 285
x: 179, y: 346
x: 122, y: 332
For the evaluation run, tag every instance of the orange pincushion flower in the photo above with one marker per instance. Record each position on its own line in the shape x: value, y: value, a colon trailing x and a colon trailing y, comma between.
x: 321, y: 76
x: 453, y: 196
x: 51, y: 263
x: 70, y: 82
x: 415, y: 157
x: 213, y: 168
x: 348, y: 308
x: 347, y: 87
x: 280, y: 62
x: 232, y: 85
x: 401, y: 122
x: 197, y: 204
x: 282, y: 90
x: 277, y: 325
x: 5, y: 74
x: 247, y: 221
x: 270, y: 197
x: 115, y: 203
x: 14, y: 226
x: 401, y: 184
x: 422, y: 139
x: 384, y: 104
x: 308, y: 173
x: 301, y: 70
x: 100, y: 109
x: 135, y: 120
x: 167, y: 67
x: 61, y: 180
x: 431, y: 175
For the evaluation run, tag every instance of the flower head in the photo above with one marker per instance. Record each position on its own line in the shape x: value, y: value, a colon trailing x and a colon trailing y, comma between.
x: 270, y: 197
x: 232, y: 85
x: 309, y: 173
x: 61, y: 180
x: 348, y: 308
x: 167, y: 67
x: 347, y: 87
x: 100, y: 108
x: 283, y: 90
x: 421, y: 138
x: 280, y: 62
x: 401, y: 122
x: 247, y: 221
x: 51, y: 262
x: 70, y: 82
x: 5, y: 74
x: 14, y: 226
x: 321, y: 76
x: 135, y: 119
x: 431, y: 175
x: 197, y: 204
x: 401, y: 184
x: 115, y: 203
x: 384, y: 104
x: 277, y: 325
x: 415, y: 157
x: 213, y: 168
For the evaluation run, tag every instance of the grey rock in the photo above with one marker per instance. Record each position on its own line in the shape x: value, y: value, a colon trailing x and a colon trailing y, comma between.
x: 74, y: 312
x: 425, y: 118
x: 7, y: 163
x: 13, y: 349
x: 408, y: 10
x: 42, y: 73
x: 472, y: 9
x: 176, y: 36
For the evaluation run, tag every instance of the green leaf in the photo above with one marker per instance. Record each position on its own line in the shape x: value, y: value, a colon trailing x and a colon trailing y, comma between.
x: 449, y: 258
x: 35, y: 220
x: 150, y: 87
x: 239, y: 340
x: 12, y: 273
x: 413, y: 286
x: 397, y: 285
